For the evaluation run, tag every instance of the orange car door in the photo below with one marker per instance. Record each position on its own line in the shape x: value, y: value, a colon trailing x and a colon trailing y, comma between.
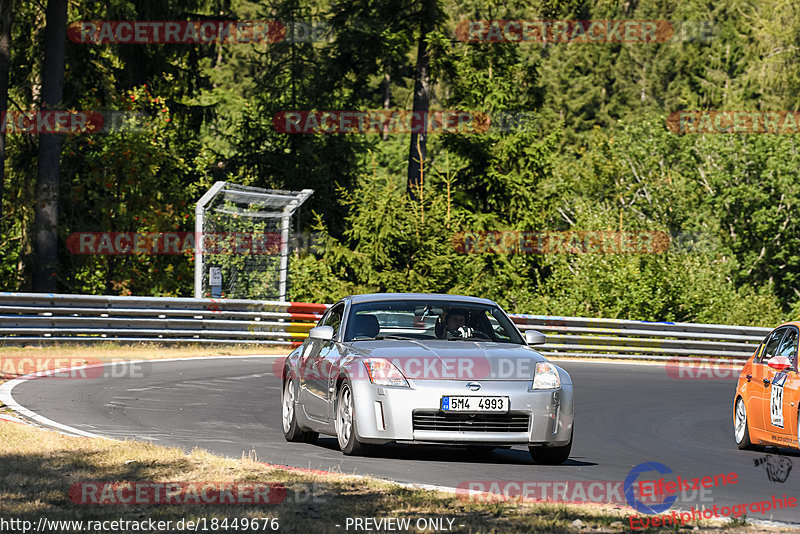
x: 760, y: 381
x: 778, y: 418
x: 791, y: 401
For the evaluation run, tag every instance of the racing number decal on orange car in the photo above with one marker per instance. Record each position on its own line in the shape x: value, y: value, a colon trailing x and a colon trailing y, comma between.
x: 776, y: 400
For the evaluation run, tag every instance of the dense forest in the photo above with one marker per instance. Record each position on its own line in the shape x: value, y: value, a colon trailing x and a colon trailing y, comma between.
x: 597, y: 150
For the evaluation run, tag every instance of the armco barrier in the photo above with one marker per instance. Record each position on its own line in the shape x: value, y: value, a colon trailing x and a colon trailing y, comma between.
x: 42, y: 317
x: 624, y: 339
x: 31, y: 318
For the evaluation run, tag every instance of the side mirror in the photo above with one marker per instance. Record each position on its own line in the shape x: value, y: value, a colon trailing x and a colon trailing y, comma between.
x: 323, y: 333
x: 534, y: 337
x: 779, y: 363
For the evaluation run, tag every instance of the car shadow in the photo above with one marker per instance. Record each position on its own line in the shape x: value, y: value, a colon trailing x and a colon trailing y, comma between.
x: 445, y: 453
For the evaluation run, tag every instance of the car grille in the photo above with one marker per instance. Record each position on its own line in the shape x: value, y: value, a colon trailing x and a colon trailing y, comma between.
x: 462, y: 422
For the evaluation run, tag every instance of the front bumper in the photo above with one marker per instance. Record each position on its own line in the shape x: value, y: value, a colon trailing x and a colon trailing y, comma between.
x: 385, y: 414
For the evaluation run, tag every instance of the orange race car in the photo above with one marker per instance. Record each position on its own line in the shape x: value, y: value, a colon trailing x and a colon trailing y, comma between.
x: 765, y: 407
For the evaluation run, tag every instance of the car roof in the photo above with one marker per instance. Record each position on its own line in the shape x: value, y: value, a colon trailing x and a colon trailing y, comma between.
x: 377, y: 297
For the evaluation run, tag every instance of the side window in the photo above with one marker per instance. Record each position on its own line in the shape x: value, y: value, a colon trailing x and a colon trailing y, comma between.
x: 497, y: 329
x: 772, y: 344
x: 788, y: 347
x: 334, y: 319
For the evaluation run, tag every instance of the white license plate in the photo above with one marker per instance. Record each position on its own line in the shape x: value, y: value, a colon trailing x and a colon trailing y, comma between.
x: 475, y: 404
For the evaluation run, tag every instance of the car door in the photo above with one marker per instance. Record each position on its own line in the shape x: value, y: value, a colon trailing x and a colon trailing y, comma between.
x: 759, y: 381
x: 791, y: 400
x: 780, y: 390
x: 315, y: 367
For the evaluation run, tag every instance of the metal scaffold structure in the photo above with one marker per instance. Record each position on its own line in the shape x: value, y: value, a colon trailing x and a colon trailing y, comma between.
x: 243, y: 237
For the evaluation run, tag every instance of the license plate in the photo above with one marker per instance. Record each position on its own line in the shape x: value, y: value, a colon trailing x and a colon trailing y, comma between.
x: 475, y: 404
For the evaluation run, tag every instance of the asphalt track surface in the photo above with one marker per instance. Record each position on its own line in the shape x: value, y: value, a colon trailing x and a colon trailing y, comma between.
x: 626, y: 414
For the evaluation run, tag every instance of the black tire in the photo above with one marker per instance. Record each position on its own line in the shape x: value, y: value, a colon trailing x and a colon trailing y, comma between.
x: 291, y: 430
x: 551, y: 455
x: 345, y: 423
x: 741, y: 435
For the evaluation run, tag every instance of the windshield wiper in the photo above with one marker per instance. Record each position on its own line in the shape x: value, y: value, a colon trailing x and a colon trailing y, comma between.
x: 378, y: 338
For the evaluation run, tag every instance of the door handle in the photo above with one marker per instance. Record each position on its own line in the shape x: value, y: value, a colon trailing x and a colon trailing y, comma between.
x: 766, y: 382
x: 749, y: 377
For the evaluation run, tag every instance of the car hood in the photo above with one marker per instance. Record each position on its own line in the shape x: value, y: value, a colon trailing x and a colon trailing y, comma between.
x: 453, y: 360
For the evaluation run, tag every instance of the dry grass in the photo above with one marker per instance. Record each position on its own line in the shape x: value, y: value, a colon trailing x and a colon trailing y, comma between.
x: 38, y: 467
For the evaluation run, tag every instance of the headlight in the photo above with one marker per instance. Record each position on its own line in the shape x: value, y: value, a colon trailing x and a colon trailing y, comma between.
x: 384, y: 373
x: 546, y: 376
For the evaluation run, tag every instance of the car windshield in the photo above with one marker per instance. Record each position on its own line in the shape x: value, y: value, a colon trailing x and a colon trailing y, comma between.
x: 430, y: 319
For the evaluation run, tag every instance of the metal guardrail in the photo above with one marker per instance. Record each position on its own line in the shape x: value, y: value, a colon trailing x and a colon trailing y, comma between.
x: 43, y: 317
x: 625, y: 339
x: 27, y: 318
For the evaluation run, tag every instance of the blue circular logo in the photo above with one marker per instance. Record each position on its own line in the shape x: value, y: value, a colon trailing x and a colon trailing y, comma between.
x: 630, y: 484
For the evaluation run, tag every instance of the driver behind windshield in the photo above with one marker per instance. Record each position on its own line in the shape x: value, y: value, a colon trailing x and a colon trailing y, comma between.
x: 455, y: 324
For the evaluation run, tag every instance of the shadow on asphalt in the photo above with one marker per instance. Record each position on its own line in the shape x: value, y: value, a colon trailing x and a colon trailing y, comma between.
x: 446, y: 453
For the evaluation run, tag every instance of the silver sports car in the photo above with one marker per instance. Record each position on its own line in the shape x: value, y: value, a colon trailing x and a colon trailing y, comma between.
x: 421, y: 368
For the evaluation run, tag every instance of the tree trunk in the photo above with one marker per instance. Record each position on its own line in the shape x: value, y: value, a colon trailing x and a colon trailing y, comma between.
x: 46, y: 212
x: 6, y: 11
x: 422, y: 92
x: 387, y: 100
